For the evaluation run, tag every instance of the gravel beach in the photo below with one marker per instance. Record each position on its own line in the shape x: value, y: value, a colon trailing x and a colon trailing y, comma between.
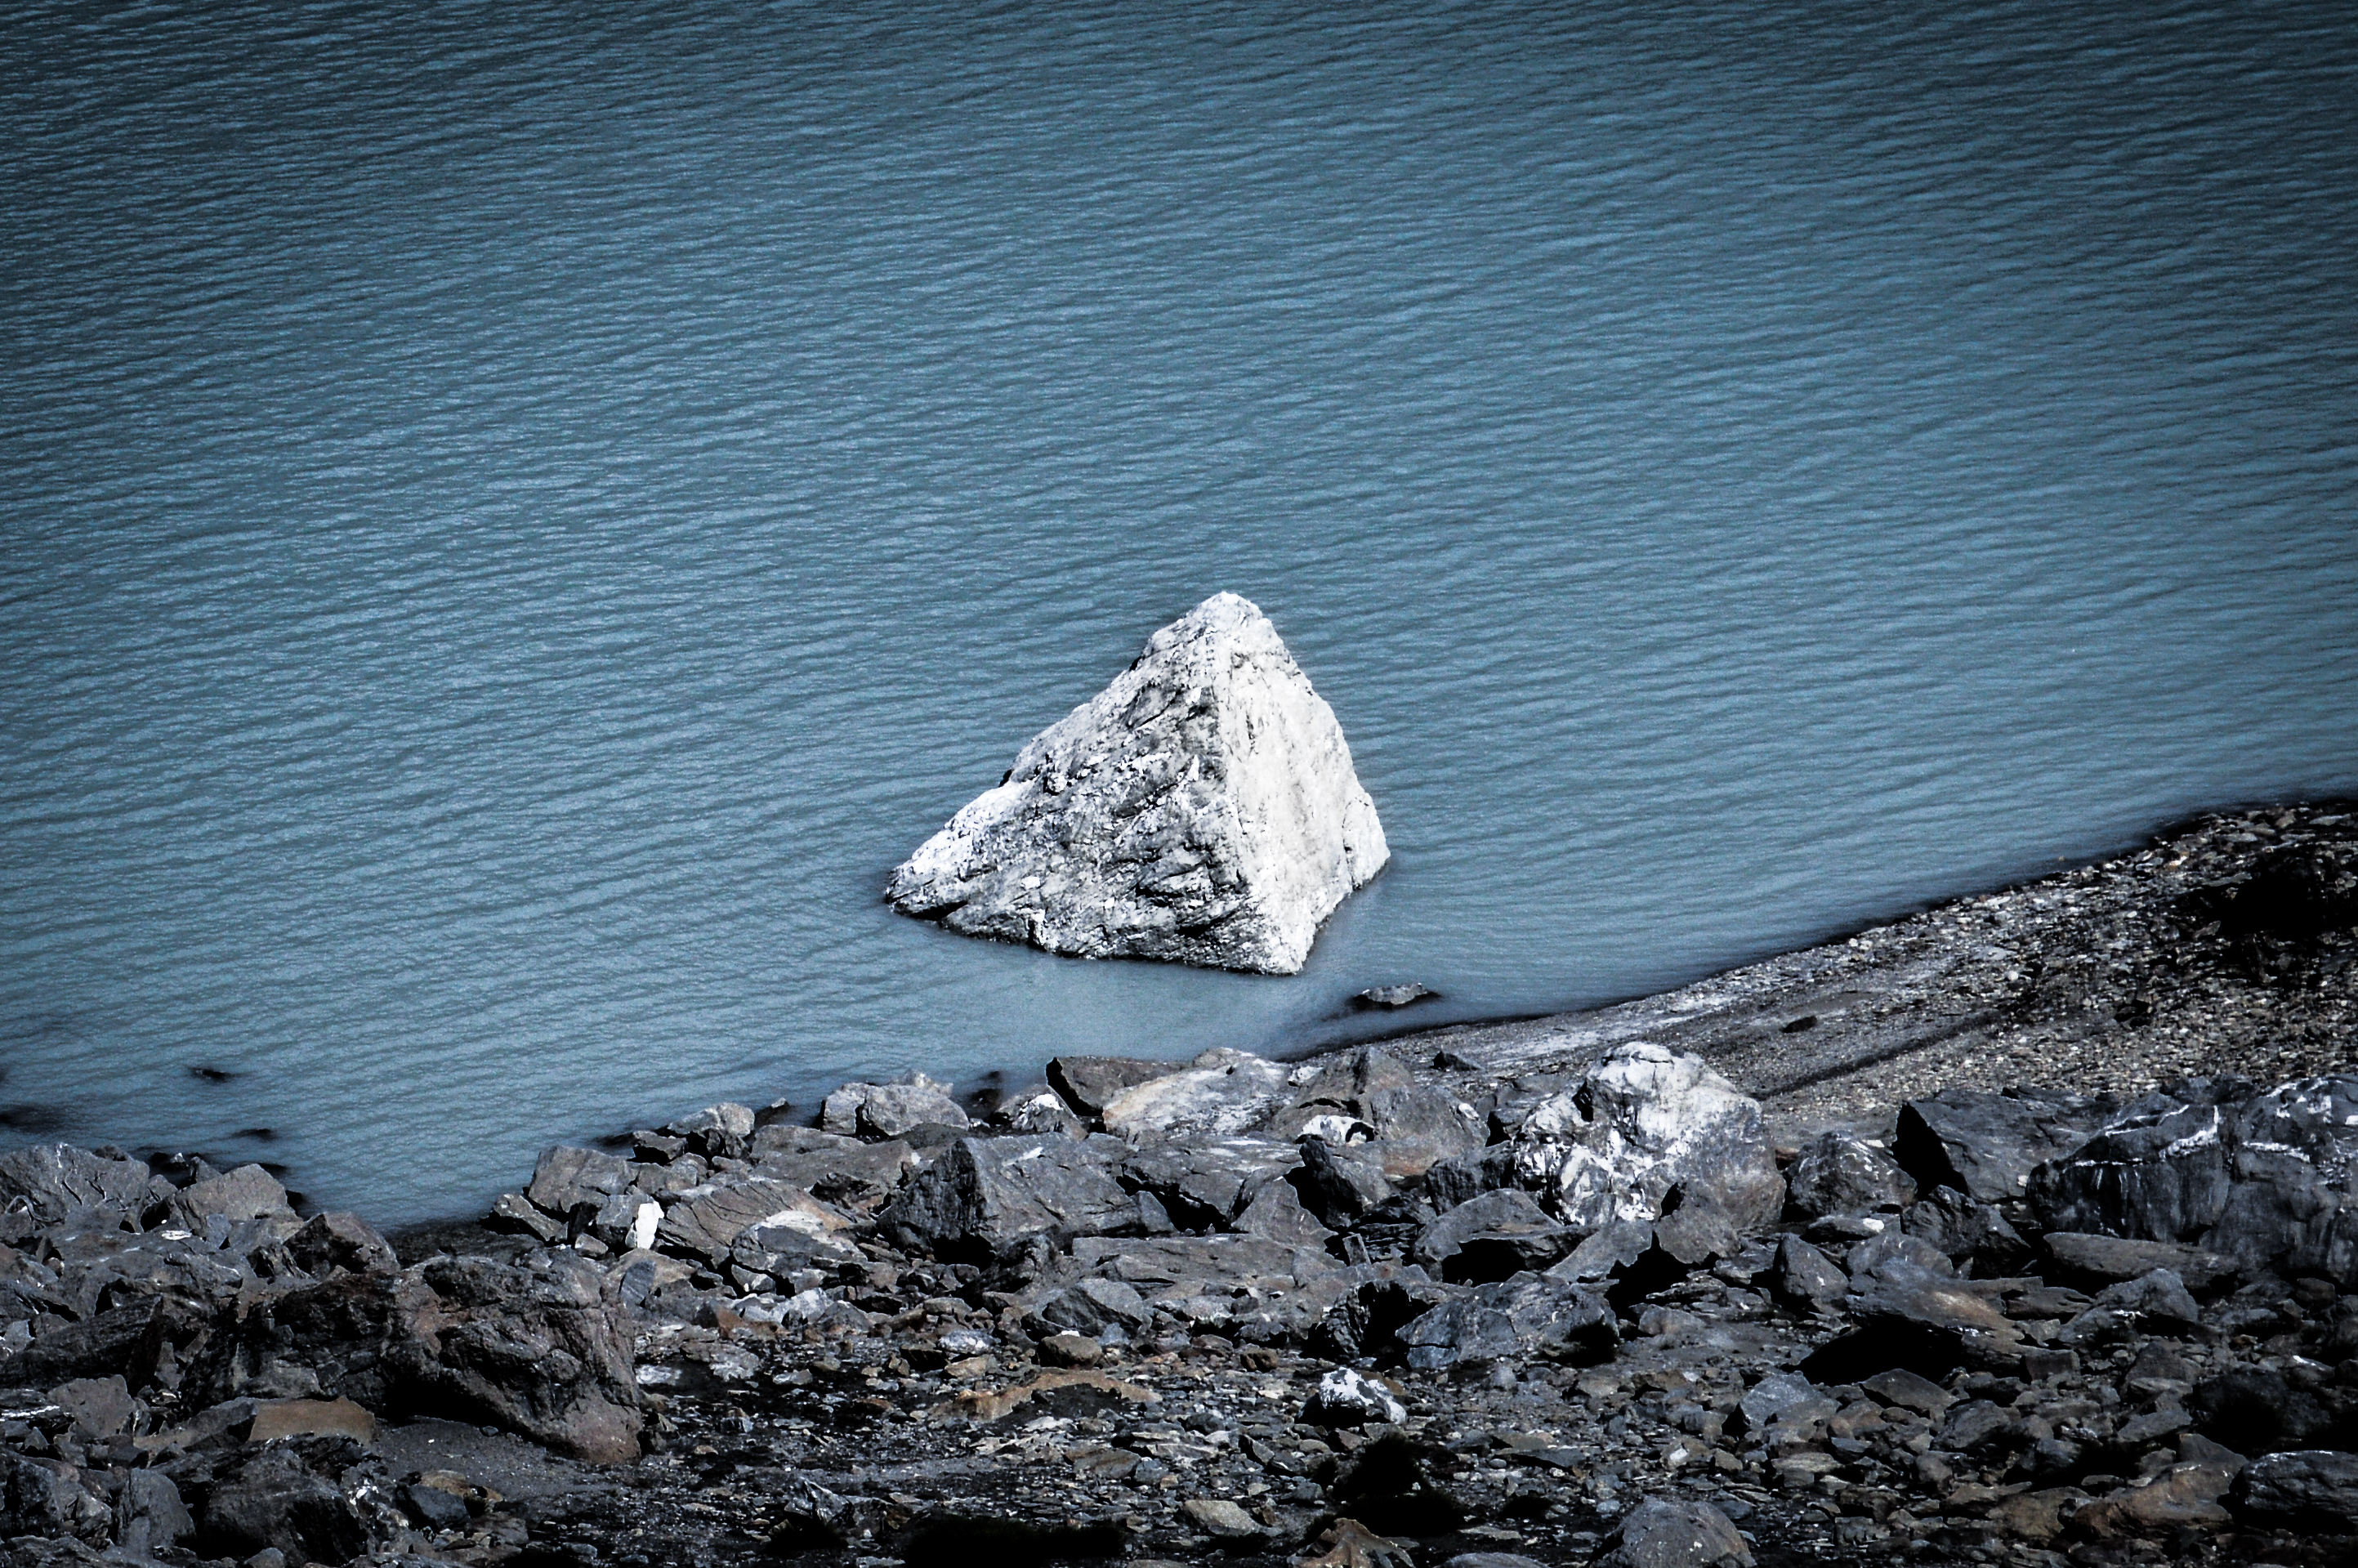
x: 2019, y: 1230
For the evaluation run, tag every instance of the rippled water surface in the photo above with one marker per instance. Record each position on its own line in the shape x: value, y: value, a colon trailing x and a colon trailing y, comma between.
x: 514, y: 522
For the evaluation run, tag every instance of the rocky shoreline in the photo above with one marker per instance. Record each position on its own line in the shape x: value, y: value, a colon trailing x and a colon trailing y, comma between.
x: 2019, y: 1231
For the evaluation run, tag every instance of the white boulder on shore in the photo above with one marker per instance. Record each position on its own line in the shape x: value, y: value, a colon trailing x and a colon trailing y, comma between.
x: 1201, y: 810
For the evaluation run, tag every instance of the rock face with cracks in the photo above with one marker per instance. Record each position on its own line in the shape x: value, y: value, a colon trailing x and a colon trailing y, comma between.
x: 1201, y: 810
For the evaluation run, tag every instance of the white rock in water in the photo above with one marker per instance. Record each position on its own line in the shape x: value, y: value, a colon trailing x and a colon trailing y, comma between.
x: 1202, y: 808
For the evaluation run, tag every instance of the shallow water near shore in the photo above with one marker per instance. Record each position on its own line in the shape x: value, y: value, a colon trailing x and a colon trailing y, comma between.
x: 514, y: 524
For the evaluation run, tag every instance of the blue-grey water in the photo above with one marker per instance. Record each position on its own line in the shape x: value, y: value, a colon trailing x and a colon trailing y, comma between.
x: 516, y: 517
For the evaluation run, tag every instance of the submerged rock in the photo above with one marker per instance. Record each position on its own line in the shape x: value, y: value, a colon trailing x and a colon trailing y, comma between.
x: 1202, y: 809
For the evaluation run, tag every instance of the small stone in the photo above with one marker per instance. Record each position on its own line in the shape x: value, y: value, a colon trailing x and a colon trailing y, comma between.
x: 1221, y: 1518
x: 1071, y: 1350
x: 1910, y: 1391
x: 1346, y: 1398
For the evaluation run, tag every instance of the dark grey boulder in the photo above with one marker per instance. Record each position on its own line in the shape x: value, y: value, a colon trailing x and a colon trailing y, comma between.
x: 1774, y: 1394
x: 705, y: 1221
x: 44, y: 1498
x: 1089, y: 1083
x: 2157, y: 1303
x: 877, y: 1112
x: 1805, y: 1278
x: 99, y: 1407
x: 340, y: 1243
x: 1633, y: 1257
x: 513, y: 1214
x: 2079, y: 1258
x: 2254, y: 1410
x: 1340, y: 1186
x: 1909, y: 1309
x: 984, y: 1199
x: 280, y: 1500
x: 1975, y: 1426
x: 150, y: 1514
x: 851, y: 1174
x: 1696, y: 1230
x: 30, y: 1287
x: 52, y: 1182
x: 1207, y: 1184
x: 2258, y: 1178
x: 1390, y: 1487
x: 2310, y: 1488
x: 811, y: 1518
x: 1190, y: 1265
x: 1910, y: 1391
x: 1665, y: 1533
x: 1836, y: 1174
x: 1091, y: 1306
x: 1966, y: 1231
x: 779, y: 1250
x: 567, y: 1176
x: 1496, y: 1236
x: 2162, y: 1173
x: 1529, y: 1315
x: 1894, y: 1248
x: 1460, y: 1177
x: 1987, y: 1146
x: 1293, y: 1316
x: 2296, y: 892
x: 1366, y: 1321
x: 433, y: 1507
x: 1415, y: 1124
x: 129, y: 1339
x: 1606, y: 1254
x: 1276, y: 1214
x: 716, y: 1130
x: 541, y: 1347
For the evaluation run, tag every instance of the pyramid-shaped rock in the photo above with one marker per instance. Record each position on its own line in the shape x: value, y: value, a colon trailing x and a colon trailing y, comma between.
x: 1202, y: 809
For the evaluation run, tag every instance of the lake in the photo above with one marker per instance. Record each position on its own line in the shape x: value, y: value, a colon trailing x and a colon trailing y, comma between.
x: 516, y: 518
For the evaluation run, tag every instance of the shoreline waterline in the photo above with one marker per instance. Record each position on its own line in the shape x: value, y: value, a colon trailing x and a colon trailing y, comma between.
x: 1505, y: 1038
